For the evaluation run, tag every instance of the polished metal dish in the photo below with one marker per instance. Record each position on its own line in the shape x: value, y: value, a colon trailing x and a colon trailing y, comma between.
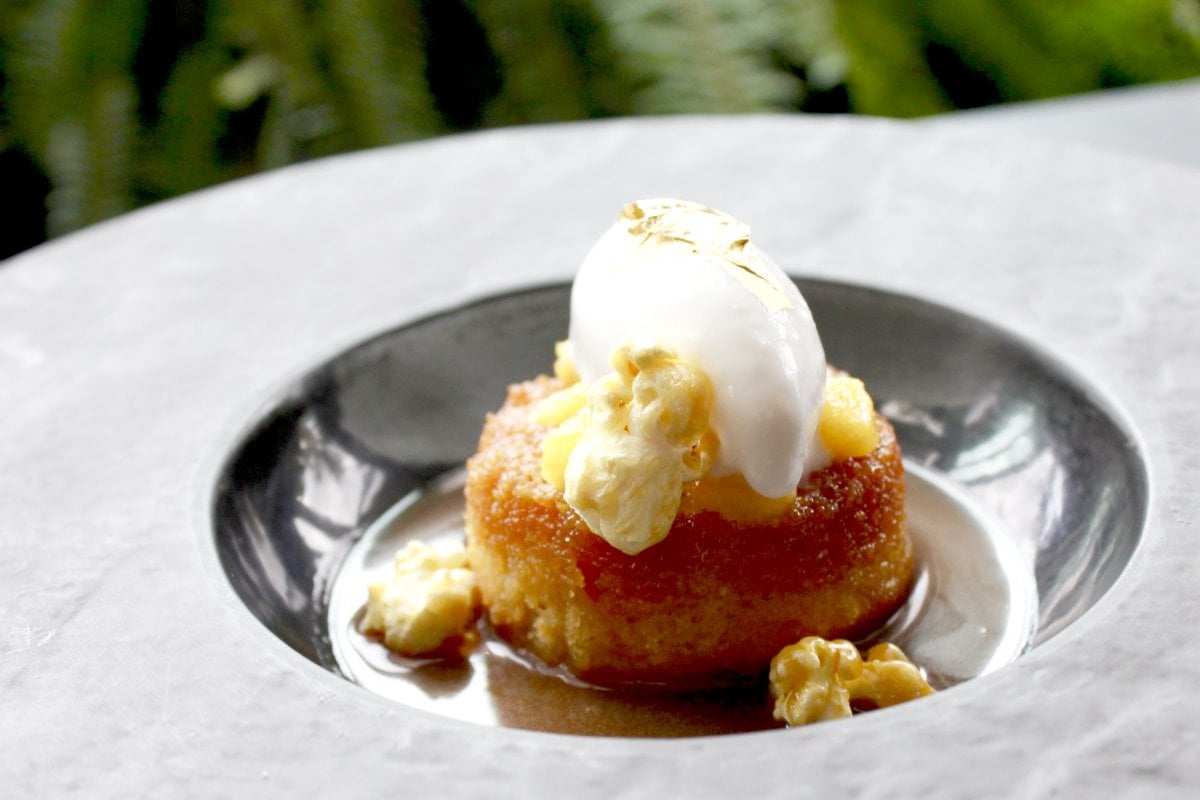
x: 1041, y: 454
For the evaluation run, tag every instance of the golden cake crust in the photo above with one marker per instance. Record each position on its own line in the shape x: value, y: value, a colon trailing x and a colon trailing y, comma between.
x: 711, y: 603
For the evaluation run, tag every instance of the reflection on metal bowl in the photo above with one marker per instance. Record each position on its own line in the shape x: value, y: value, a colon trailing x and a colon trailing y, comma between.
x: 993, y: 425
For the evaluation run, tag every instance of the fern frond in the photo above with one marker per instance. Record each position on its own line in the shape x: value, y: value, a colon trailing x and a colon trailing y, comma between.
x: 1009, y: 49
x: 888, y: 73
x: 993, y: 41
x: 805, y: 33
x: 301, y: 121
x: 555, y: 62
x: 1116, y: 43
x: 186, y: 153
x: 75, y: 102
x: 697, y: 56
x: 40, y: 72
x: 376, y: 59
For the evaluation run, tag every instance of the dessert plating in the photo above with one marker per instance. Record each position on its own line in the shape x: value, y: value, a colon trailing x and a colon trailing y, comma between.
x: 713, y: 601
x: 694, y: 499
x: 694, y: 490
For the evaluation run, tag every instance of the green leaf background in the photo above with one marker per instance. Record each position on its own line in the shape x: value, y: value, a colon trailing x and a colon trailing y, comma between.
x: 106, y: 105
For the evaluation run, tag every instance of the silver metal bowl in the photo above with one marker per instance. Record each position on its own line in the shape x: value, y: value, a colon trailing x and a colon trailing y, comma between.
x: 1047, y: 458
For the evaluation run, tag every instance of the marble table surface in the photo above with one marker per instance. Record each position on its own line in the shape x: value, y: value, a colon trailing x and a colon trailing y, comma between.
x: 1160, y: 121
x: 132, y: 353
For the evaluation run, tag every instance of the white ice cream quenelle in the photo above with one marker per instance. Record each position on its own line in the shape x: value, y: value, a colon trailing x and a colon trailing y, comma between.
x: 688, y: 277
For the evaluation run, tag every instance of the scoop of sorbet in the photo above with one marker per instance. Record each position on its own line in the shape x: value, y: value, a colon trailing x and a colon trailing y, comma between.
x: 689, y: 278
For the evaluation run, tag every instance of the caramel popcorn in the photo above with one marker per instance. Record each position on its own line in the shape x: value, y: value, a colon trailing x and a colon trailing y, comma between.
x: 816, y: 679
x: 636, y: 435
x: 429, y: 604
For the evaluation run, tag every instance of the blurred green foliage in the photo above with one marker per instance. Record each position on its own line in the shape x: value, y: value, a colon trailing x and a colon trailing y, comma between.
x: 106, y: 105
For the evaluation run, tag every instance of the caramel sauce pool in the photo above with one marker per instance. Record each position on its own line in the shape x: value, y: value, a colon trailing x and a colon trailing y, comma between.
x: 973, y: 609
x: 513, y: 691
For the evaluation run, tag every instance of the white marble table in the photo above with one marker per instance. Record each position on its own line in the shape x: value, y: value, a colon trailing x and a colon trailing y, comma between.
x: 1160, y: 121
x: 132, y: 353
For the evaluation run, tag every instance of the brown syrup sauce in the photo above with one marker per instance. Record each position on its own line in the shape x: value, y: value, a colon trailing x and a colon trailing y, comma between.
x: 972, y: 609
x: 517, y: 691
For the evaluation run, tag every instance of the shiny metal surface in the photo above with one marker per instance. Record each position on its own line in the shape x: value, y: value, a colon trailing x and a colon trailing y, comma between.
x: 1041, y: 452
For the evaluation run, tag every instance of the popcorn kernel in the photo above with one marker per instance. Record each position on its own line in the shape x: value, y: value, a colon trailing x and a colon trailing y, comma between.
x: 564, y: 362
x: 428, y: 606
x: 816, y: 679
x: 622, y: 458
